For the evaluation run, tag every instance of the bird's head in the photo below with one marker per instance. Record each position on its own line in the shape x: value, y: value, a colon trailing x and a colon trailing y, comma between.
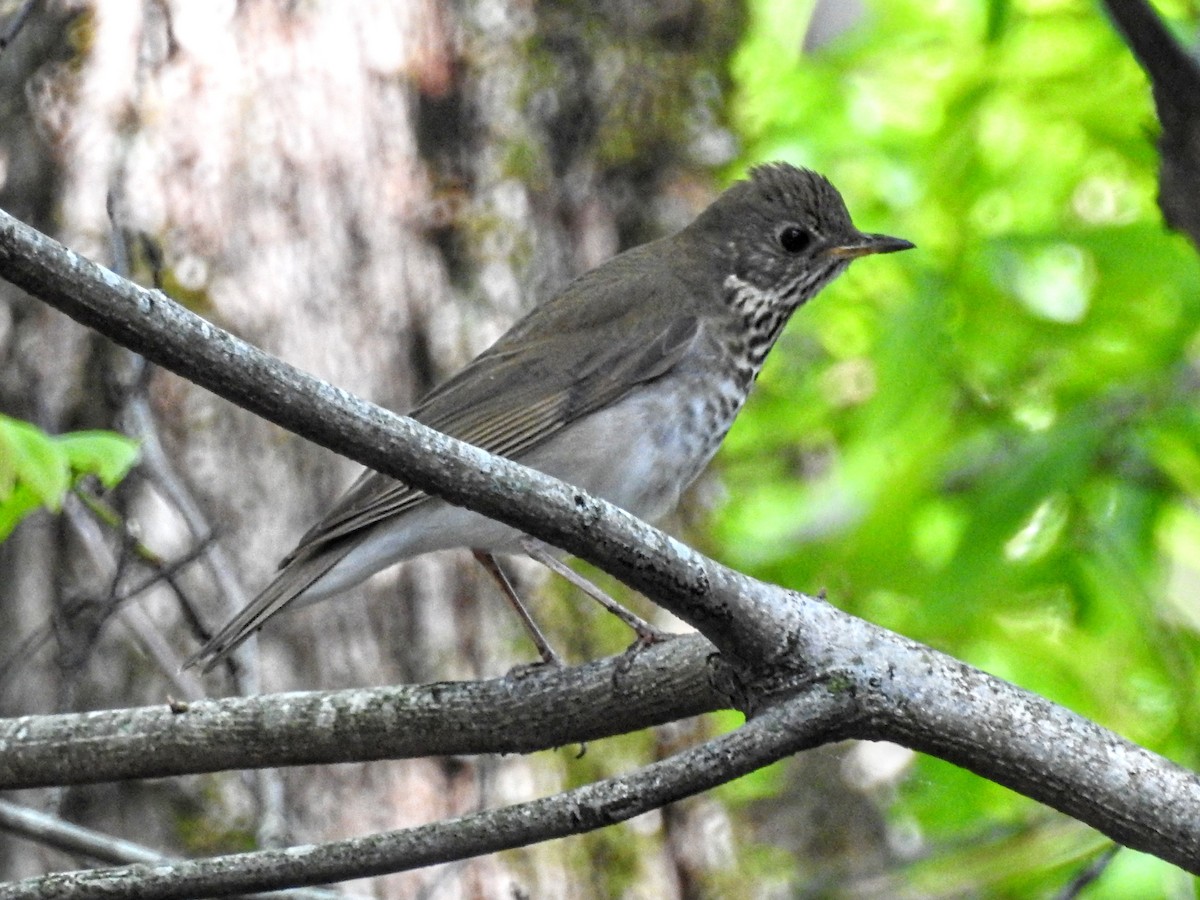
x: 785, y: 232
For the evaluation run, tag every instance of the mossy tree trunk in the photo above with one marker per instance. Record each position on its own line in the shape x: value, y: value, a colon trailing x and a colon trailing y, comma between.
x: 373, y: 192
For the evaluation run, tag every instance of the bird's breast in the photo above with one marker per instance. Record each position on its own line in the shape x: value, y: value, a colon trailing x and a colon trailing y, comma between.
x: 644, y: 450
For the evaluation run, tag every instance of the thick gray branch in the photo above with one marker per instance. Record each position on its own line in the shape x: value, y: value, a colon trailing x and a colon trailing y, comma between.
x: 545, y: 709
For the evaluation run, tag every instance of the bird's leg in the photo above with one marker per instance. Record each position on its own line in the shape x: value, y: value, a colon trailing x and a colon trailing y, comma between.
x: 646, y: 633
x: 488, y: 561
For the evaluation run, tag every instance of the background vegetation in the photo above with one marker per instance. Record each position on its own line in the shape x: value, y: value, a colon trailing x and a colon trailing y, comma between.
x: 991, y: 444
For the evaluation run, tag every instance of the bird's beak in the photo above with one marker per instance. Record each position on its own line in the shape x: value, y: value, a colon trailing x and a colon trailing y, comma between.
x: 866, y: 244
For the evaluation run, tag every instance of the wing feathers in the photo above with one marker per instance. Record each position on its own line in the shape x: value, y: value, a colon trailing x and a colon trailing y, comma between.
x: 509, y: 422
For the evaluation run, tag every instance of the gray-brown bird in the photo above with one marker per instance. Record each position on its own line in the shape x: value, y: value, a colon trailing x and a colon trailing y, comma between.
x: 624, y: 384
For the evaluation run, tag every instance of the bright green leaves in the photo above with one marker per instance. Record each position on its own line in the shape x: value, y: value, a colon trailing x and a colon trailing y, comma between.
x: 991, y: 443
x: 37, y: 469
x: 1005, y: 412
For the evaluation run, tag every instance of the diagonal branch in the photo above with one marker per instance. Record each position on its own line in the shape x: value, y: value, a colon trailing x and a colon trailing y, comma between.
x: 70, y: 838
x: 1175, y: 78
x: 55, y: 832
x: 13, y: 26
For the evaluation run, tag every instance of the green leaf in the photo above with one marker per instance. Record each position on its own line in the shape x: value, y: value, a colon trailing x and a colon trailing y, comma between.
x: 15, y: 506
x: 35, y: 460
x: 105, y: 454
x: 37, y: 469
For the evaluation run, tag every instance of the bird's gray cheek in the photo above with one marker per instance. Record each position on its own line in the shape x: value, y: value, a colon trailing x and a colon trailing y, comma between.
x: 753, y: 267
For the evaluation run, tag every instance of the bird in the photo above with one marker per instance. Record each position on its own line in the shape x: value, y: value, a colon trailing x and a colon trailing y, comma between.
x: 623, y: 384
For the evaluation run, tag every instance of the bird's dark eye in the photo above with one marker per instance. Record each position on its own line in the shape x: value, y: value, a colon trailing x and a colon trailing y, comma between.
x: 794, y: 239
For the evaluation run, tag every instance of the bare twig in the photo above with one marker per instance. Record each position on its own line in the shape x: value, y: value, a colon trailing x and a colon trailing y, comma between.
x: 9, y: 33
x: 39, y: 637
x: 1089, y: 875
x: 157, y: 466
x: 131, y: 616
x: 55, y: 832
x: 137, y: 419
x: 70, y: 838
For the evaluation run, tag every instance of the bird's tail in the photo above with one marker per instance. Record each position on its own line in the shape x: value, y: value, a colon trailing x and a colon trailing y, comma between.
x: 297, y: 576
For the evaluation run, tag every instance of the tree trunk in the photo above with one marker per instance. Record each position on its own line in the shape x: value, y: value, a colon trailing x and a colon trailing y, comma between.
x: 374, y: 192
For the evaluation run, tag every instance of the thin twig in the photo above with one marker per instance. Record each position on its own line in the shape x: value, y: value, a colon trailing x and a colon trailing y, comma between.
x: 70, y: 838
x: 137, y: 419
x: 16, y: 23
x: 132, y: 616
x: 87, y: 842
x: 1089, y: 875
x: 38, y: 638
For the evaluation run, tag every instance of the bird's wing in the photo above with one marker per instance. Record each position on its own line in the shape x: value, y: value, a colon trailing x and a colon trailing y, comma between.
x: 516, y: 394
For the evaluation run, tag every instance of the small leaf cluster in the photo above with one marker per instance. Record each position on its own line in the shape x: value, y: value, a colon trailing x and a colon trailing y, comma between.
x: 37, y: 469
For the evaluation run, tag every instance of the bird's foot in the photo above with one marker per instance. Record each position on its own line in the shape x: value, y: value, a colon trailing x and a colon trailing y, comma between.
x: 646, y: 638
x: 529, y: 669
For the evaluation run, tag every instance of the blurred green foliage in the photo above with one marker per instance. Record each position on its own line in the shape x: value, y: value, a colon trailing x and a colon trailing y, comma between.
x: 38, y: 469
x: 992, y: 443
